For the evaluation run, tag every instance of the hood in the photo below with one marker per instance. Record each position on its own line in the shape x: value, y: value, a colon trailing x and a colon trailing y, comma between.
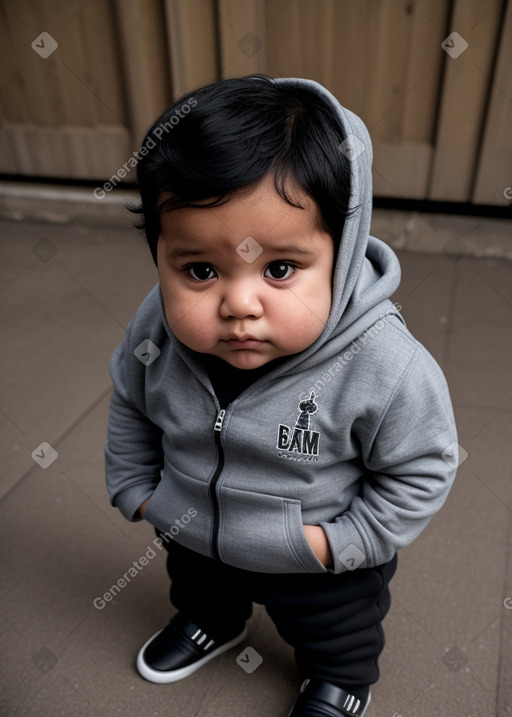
x: 367, y: 271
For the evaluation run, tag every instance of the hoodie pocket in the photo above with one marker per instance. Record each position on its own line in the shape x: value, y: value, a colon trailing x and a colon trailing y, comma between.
x: 264, y: 533
x: 180, y: 509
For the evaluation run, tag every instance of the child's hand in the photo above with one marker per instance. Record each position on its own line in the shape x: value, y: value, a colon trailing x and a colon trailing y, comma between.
x: 142, y: 508
x: 317, y: 539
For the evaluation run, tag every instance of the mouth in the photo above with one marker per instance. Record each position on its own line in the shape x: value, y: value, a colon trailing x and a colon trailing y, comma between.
x: 243, y: 342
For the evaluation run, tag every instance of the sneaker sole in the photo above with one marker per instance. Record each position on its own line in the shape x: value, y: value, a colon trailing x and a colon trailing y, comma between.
x: 160, y: 677
x: 365, y: 709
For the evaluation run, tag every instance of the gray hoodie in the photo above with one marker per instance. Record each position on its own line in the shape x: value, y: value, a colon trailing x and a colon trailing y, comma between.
x: 355, y: 434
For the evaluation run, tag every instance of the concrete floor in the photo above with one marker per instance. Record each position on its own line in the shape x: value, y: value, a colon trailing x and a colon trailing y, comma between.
x: 67, y: 291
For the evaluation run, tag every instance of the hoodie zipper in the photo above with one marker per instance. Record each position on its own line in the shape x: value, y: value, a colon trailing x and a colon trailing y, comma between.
x: 219, y: 422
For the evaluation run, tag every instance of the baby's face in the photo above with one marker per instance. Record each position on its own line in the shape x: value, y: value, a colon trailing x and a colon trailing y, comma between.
x: 248, y: 281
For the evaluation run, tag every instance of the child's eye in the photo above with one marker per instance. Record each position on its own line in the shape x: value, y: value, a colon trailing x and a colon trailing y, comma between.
x: 201, y: 272
x: 279, y: 270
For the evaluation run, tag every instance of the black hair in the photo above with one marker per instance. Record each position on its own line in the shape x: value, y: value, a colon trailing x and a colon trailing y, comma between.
x: 227, y: 136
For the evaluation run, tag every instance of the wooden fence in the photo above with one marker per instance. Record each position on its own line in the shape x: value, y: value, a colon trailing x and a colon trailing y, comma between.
x: 81, y: 80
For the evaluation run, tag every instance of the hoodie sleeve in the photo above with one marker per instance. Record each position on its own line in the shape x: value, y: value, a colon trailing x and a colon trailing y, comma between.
x: 133, y: 452
x: 411, y: 459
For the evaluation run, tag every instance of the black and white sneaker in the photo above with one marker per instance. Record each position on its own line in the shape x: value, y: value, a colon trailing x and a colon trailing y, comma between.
x: 321, y: 699
x: 180, y: 649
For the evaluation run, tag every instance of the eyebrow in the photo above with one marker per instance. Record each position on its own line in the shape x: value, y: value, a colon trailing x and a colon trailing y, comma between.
x: 181, y: 252
x: 292, y: 249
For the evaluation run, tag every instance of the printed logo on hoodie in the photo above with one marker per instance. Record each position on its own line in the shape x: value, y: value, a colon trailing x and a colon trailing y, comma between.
x: 300, y: 443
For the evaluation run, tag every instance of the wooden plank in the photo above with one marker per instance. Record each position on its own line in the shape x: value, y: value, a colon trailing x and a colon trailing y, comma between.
x: 493, y: 183
x: 90, y: 87
x: 144, y: 62
x: 370, y: 54
x: 110, y: 77
x: 401, y: 170
x: 242, y: 37
x: 193, y: 43
x: 17, y: 55
x: 64, y: 114
x: 463, y: 101
x: 76, y: 152
x: 382, y: 61
x: 405, y: 87
x: 79, y: 83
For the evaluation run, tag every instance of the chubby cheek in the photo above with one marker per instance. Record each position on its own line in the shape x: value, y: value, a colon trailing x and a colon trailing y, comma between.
x: 189, y: 319
x: 300, y: 321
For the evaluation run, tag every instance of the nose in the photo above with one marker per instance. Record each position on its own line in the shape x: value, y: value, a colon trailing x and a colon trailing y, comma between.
x: 240, y: 300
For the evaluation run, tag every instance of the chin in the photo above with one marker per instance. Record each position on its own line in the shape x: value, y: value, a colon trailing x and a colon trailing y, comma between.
x: 246, y: 361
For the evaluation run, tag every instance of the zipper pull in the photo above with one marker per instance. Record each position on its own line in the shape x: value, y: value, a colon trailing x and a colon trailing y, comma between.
x: 219, y: 421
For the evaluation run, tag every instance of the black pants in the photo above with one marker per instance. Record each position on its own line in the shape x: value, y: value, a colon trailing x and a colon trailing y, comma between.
x: 332, y: 621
